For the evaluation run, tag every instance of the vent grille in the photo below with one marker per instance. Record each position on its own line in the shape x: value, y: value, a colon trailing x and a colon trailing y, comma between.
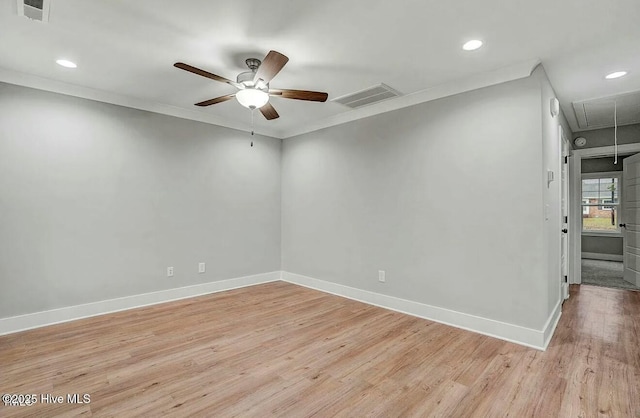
x: 368, y: 96
x: 34, y: 9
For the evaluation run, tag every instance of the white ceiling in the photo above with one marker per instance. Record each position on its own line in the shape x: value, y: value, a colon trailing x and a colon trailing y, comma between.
x: 125, y: 51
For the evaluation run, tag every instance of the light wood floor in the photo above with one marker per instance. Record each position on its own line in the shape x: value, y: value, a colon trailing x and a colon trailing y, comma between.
x: 282, y: 350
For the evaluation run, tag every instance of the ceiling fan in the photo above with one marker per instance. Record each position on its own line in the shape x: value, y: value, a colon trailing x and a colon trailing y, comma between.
x: 253, y: 85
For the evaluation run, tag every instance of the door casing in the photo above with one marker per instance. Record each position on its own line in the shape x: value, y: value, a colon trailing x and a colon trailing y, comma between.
x: 565, y: 264
x: 575, y: 201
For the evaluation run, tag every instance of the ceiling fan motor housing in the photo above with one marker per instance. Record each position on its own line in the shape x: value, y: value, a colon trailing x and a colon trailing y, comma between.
x: 253, y: 63
x: 246, y: 79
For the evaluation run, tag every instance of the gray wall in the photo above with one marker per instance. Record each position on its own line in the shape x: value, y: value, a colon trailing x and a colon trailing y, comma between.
x: 599, y: 244
x: 601, y: 165
x: 97, y: 200
x: 628, y: 134
x: 445, y: 196
x: 602, y: 245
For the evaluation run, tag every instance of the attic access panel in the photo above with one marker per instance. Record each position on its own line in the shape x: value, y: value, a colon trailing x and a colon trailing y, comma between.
x: 599, y: 113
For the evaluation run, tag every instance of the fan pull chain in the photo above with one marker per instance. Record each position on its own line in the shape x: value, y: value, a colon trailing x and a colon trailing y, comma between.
x: 252, y: 112
x: 615, y: 132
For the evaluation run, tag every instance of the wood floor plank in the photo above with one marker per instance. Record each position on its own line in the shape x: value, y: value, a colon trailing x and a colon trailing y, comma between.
x: 282, y: 350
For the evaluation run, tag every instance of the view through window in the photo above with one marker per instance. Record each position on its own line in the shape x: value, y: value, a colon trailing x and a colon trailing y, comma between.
x: 600, y: 204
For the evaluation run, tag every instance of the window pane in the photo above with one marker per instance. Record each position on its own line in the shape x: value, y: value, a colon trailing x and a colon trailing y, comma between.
x: 600, y: 218
x: 590, y: 189
x: 596, y: 191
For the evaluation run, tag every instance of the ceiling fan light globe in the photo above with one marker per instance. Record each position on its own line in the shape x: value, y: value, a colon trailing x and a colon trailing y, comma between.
x: 252, y: 98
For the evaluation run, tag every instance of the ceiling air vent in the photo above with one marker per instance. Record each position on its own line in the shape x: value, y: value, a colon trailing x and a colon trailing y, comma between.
x: 34, y: 9
x: 368, y: 96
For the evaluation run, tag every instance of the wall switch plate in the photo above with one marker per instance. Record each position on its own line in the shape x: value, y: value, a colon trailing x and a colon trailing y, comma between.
x: 382, y: 276
x: 201, y: 267
x: 169, y: 271
x: 546, y: 212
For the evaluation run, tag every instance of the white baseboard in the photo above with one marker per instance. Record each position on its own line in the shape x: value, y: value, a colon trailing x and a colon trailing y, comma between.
x: 601, y: 256
x: 552, y: 323
x: 39, y: 319
x: 538, y: 339
x: 565, y: 291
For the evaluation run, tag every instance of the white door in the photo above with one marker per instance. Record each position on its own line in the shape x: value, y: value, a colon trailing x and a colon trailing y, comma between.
x: 564, y: 202
x: 631, y: 218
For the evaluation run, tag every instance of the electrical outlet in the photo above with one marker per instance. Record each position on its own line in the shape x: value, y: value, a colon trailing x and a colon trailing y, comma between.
x: 382, y: 276
x: 169, y: 271
x: 201, y: 268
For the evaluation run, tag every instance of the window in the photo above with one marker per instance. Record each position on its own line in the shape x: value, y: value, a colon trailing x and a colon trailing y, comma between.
x: 601, y: 203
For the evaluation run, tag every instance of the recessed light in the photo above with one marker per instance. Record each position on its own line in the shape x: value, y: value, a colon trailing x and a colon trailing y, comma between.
x: 472, y: 45
x: 617, y: 74
x: 66, y: 63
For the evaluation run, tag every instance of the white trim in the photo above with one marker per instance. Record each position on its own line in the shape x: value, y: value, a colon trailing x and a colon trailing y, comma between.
x: 602, y: 256
x: 606, y: 151
x: 575, y: 218
x: 612, y: 234
x: 55, y: 316
x: 529, y: 337
x: 565, y: 199
x: 552, y: 322
x: 41, y: 83
x: 575, y: 163
x: 474, y: 82
x: 538, y: 339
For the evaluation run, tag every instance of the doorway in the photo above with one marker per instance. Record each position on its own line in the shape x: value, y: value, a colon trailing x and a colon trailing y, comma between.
x: 597, y: 225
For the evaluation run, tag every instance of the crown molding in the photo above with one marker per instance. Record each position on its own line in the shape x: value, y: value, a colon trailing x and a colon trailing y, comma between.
x: 477, y: 81
x: 474, y: 82
x: 46, y: 84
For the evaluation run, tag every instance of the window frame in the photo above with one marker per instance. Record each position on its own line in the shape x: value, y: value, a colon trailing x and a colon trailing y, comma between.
x: 618, y: 206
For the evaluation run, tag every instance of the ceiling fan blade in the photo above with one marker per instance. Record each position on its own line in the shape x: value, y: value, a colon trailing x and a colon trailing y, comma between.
x: 203, y: 73
x: 271, y: 65
x: 269, y: 112
x: 216, y: 100
x: 313, y: 96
